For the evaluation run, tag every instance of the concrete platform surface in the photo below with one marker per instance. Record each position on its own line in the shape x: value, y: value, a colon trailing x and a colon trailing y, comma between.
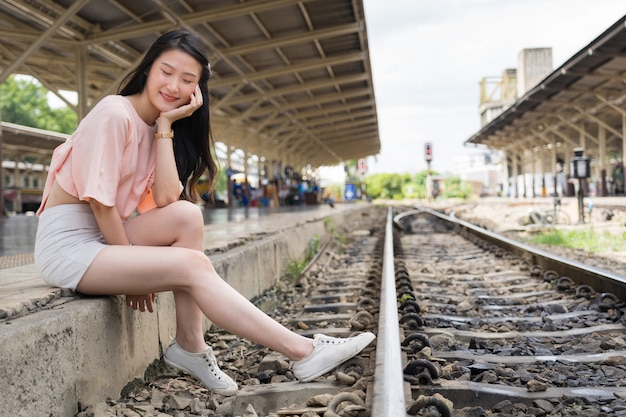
x: 59, y: 349
x: 21, y: 290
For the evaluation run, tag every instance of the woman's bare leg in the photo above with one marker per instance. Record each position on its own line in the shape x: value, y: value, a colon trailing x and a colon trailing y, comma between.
x: 156, y: 264
x: 184, y: 228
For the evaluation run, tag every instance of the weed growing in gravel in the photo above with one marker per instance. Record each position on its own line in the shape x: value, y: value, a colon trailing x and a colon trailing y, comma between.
x: 295, y: 268
x: 587, y: 239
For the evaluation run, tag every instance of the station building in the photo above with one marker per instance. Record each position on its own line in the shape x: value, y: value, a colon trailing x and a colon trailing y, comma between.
x: 544, y: 123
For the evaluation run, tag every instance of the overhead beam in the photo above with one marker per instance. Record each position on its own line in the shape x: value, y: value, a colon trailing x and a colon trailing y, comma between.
x: 292, y: 89
x: 71, y: 11
x: 205, y: 16
x: 292, y: 39
x: 288, y: 69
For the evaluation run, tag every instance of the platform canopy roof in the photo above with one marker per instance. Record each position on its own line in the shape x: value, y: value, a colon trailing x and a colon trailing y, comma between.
x: 292, y: 78
x: 587, y: 91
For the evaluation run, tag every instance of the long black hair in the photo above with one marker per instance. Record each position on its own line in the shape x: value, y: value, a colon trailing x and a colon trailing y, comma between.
x: 193, y: 141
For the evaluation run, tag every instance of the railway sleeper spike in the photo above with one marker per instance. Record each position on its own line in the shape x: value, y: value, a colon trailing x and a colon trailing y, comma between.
x: 368, y: 293
x: 525, y: 265
x: 584, y: 291
x: 421, y: 378
x: 564, y: 283
x: 410, y: 306
x: 415, y: 343
x: 354, y: 367
x: 401, y: 270
x: 356, y: 404
x: 401, y: 281
x: 443, y: 406
x: 412, y: 320
x: 608, y: 301
x: 399, y: 263
x: 350, y: 372
x: 376, y: 269
x: 403, y: 273
x: 372, y: 277
x: 361, y: 320
x: 345, y: 379
x: 535, y: 271
x: 366, y: 303
x: 402, y: 278
x: 371, y: 284
x: 421, y: 372
x: 550, y: 276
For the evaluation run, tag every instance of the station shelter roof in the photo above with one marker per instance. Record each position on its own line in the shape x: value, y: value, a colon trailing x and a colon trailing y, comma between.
x: 30, y: 142
x: 291, y: 78
x: 587, y: 91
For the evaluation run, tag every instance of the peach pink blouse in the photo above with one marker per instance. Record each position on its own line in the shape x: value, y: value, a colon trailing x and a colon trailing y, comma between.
x: 110, y: 158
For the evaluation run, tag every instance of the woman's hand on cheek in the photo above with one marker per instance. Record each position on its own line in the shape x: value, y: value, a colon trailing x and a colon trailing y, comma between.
x: 186, y: 110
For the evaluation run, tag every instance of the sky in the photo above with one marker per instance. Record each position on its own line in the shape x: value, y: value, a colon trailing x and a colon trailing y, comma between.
x: 429, y: 56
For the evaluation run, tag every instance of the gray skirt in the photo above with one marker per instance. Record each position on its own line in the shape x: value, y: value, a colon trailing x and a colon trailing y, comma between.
x: 68, y: 239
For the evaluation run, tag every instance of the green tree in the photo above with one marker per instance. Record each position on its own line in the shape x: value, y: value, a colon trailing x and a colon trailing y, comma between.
x: 25, y: 102
x: 455, y: 188
x: 397, y: 186
x: 386, y: 186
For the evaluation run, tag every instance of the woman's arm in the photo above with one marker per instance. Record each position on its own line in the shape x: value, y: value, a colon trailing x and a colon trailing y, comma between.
x: 166, y: 188
x: 110, y: 223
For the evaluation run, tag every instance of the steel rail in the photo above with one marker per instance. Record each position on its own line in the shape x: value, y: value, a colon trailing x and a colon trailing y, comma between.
x: 600, y: 280
x: 389, y: 393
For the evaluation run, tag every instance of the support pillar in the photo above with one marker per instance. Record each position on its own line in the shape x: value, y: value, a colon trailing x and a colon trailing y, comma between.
x: 17, y: 179
x: 81, y: 82
x: 246, y: 182
x: 623, y: 142
x: 553, y: 169
x: 543, y: 173
x: 229, y: 182
x: 571, y: 187
x: 533, y: 173
x: 601, y: 165
x: 623, y: 138
x: 524, y: 168
x: 514, y: 181
x: 506, y: 189
x: 259, y: 160
x: 584, y: 182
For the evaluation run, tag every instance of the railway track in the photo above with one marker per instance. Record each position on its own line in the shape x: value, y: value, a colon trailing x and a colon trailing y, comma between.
x: 468, y: 324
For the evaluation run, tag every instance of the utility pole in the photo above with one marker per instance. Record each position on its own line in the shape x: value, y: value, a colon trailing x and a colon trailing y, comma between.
x: 428, y: 156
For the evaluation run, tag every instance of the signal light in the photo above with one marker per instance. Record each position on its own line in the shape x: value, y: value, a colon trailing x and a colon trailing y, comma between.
x: 428, y: 151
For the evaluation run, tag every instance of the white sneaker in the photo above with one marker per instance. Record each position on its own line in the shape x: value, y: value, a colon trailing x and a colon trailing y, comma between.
x: 202, y: 366
x: 329, y: 352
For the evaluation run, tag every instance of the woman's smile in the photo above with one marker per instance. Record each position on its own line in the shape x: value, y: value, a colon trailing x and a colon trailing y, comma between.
x: 168, y: 98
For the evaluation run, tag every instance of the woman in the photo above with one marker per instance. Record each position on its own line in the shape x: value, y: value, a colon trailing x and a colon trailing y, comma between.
x: 144, y: 150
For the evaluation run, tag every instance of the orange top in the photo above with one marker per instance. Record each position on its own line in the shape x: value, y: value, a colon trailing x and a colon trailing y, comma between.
x: 110, y: 158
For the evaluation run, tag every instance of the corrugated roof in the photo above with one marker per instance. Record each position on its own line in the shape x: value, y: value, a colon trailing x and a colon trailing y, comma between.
x: 589, y: 88
x: 292, y: 80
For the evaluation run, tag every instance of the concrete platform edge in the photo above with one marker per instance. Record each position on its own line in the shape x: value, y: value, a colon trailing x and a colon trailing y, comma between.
x: 87, y: 350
